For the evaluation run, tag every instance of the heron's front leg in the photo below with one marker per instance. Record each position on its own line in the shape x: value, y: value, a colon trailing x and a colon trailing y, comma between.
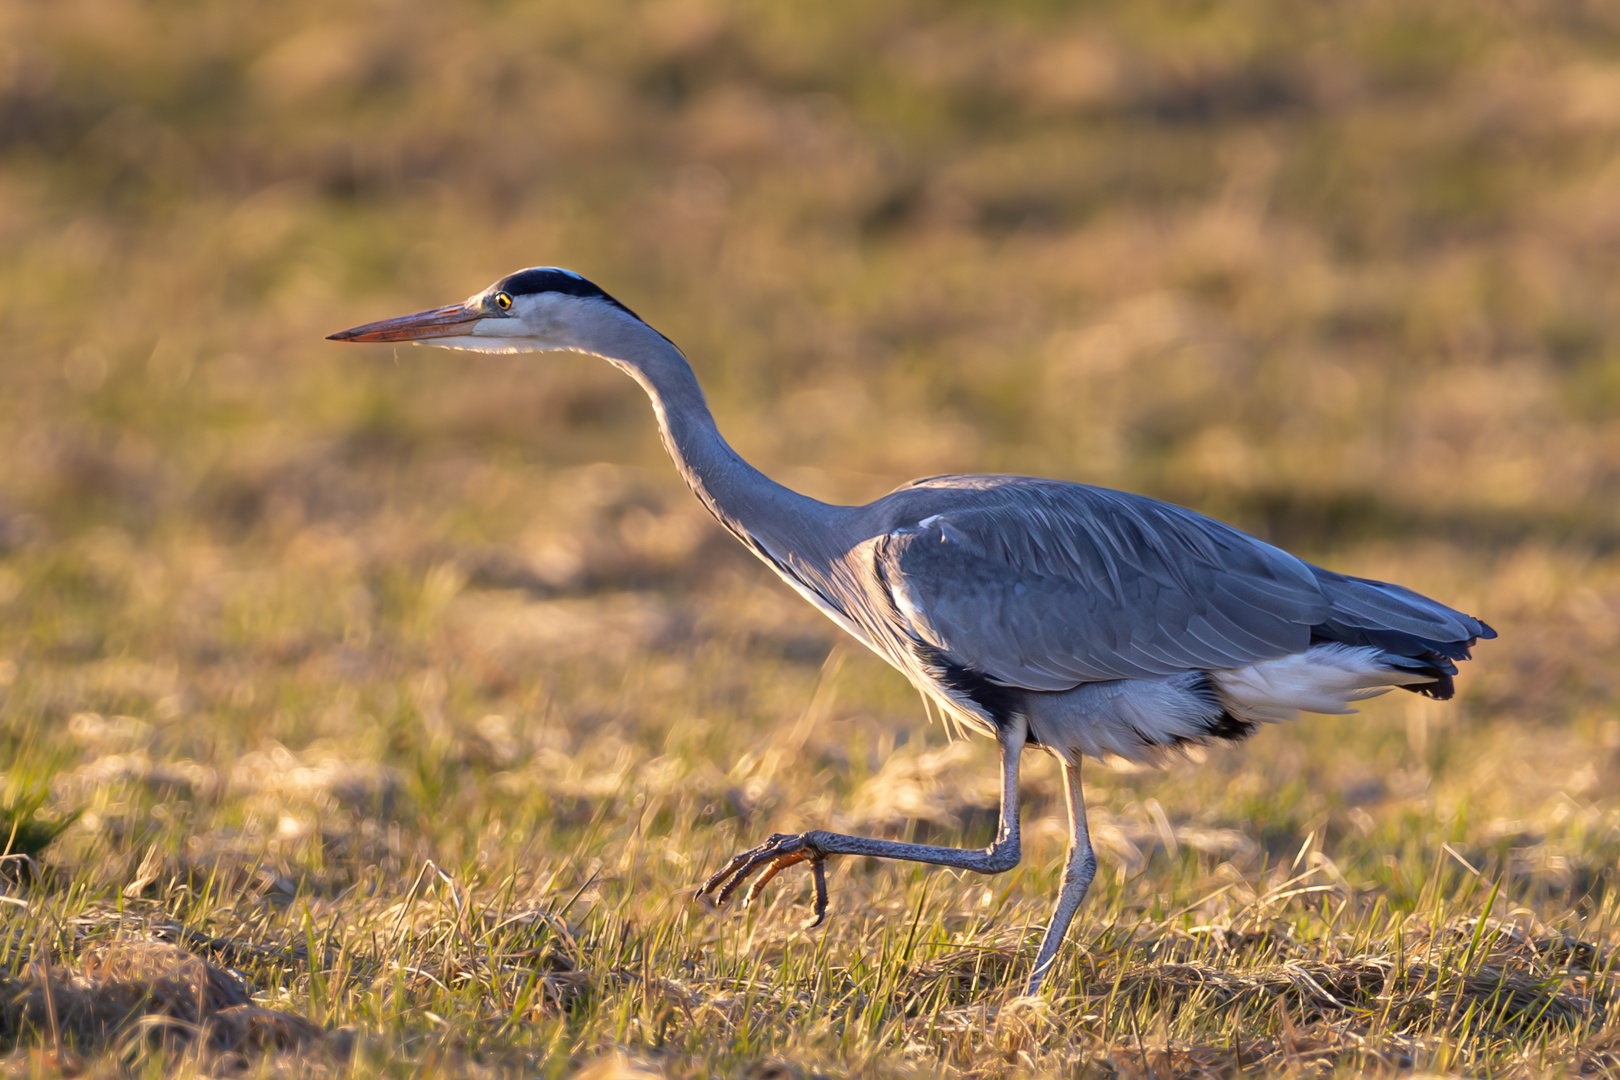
x: 788, y: 849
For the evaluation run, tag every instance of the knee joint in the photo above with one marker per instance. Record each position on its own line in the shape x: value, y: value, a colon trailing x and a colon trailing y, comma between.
x: 1003, y: 857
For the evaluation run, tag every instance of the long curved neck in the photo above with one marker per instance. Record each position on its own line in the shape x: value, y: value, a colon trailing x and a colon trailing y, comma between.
x: 746, y: 501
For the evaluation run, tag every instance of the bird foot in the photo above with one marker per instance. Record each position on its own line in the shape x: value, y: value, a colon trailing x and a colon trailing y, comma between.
x: 770, y: 858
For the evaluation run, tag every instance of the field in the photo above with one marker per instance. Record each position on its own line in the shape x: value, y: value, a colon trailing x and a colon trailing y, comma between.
x: 376, y: 711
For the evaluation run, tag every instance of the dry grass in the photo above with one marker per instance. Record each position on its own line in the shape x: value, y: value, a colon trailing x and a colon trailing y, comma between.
x: 377, y: 713
x: 127, y: 993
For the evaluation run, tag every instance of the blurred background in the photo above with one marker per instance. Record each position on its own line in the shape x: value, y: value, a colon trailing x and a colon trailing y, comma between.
x: 1346, y: 275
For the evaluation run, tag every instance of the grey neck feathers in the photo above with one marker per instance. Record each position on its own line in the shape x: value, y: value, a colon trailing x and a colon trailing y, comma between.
x: 750, y: 504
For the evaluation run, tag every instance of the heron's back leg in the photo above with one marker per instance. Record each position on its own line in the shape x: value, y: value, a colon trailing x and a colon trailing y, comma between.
x: 1078, y: 871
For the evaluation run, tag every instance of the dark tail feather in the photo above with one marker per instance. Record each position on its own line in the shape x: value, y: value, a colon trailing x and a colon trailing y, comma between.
x: 1414, y: 633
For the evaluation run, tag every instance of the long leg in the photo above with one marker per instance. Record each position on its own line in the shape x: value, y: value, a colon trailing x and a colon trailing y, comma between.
x: 785, y: 849
x: 1077, y: 874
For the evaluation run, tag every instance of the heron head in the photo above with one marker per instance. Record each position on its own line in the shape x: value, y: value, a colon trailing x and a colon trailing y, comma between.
x: 542, y: 309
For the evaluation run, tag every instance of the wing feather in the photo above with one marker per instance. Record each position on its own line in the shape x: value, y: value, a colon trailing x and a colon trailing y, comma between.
x: 1045, y: 585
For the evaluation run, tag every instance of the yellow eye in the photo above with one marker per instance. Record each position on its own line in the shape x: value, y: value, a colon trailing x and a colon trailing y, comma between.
x: 503, y: 301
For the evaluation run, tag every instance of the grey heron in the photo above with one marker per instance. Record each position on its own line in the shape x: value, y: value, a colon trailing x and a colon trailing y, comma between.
x: 1083, y: 621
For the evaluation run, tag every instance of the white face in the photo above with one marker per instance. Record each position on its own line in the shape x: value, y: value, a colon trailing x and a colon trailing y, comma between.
x: 496, y: 321
x: 502, y: 323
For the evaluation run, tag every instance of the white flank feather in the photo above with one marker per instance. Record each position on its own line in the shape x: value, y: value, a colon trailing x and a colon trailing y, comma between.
x: 1139, y: 720
x: 1322, y: 680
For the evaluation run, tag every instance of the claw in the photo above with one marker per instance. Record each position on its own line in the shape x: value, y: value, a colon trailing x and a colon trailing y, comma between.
x: 777, y: 847
x: 777, y: 865
x: 770, y: 858
x: 730, y: 867
x: 818, y: 872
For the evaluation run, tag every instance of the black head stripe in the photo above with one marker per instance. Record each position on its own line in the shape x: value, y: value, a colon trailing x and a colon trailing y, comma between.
x: 549, y: 279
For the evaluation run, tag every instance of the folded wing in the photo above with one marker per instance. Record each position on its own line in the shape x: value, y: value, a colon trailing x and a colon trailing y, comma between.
x: 1048, y: 585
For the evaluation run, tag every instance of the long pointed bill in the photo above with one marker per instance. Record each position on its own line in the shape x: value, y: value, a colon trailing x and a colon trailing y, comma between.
x: 454, y: 320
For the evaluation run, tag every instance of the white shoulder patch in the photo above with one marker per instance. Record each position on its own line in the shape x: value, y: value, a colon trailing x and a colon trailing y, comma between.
x: 910, y: 607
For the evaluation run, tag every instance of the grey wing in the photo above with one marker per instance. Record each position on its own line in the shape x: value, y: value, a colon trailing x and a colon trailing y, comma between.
x: 1045, y: 585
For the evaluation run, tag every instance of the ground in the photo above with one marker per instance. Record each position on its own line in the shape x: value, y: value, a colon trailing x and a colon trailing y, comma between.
x: 377, y: 711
